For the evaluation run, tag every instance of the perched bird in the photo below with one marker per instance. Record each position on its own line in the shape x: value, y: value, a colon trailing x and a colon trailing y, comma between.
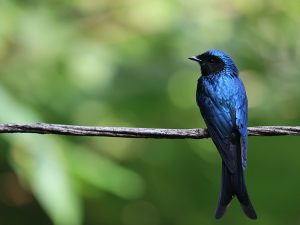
x: 222, y: 100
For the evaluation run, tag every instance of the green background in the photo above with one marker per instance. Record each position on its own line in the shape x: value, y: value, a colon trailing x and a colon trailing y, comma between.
x: 124, y: 63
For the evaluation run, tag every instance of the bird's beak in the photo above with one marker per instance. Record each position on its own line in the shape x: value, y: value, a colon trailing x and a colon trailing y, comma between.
x: 194, y: 58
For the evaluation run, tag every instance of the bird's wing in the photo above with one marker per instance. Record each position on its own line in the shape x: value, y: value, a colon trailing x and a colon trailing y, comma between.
x: 242, y: 122
x: 218, y: 119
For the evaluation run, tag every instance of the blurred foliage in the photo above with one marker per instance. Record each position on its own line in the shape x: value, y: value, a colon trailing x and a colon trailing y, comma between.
x: 124, y: 63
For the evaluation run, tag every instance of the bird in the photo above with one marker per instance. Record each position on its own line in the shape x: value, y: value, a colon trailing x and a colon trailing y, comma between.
x: 223, y: 104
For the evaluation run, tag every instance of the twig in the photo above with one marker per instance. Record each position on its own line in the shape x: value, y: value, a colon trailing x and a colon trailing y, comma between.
x: 126, y: 132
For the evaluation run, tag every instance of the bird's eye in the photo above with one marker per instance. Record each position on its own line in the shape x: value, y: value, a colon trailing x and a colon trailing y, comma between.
x: 212, y: 60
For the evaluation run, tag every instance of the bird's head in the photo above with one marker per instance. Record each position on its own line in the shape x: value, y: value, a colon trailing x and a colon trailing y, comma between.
x: 214, y: 62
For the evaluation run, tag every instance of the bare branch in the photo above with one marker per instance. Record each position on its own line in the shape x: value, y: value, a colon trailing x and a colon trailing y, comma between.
x: 126, y: 132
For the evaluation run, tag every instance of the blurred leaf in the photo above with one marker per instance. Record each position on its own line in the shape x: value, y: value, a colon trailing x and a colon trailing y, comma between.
x: 105, y: 174
x: 39, y: 161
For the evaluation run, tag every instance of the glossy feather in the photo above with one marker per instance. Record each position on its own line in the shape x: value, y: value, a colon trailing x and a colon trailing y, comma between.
x: 222, y: 100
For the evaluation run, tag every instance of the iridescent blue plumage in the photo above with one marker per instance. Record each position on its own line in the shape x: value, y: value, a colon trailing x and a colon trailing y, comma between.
x: 222, y: 100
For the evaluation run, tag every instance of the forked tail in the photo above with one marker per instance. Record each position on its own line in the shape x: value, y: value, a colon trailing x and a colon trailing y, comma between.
x: 233, y: 184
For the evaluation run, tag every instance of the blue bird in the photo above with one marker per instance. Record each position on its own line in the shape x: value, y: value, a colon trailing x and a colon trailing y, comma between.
x: 223, y: 103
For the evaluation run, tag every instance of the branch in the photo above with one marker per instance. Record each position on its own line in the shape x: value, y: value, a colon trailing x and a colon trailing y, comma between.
x: 126, y: 132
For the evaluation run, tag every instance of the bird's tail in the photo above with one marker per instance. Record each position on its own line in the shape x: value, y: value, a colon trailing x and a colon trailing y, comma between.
x: 233, y: 184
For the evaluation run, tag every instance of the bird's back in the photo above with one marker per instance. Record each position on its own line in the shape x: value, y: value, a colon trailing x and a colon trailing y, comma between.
x: 223, y: 105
